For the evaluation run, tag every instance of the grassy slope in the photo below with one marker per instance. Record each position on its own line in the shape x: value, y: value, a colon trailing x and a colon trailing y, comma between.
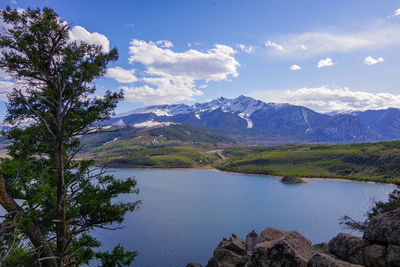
x: 378, y: 162
x: 175, y: 146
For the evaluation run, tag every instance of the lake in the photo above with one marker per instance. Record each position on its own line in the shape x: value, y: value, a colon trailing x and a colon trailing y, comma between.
x: 186, y: 213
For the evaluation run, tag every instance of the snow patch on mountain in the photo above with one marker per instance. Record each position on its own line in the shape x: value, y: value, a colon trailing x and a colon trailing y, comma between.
x: 112, y: 141
x: 119, y: 123
x: 246, y: 117
x: 152, y: 123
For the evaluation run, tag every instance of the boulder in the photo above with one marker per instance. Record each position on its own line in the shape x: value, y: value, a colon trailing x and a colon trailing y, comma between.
x: 384, y: 229
x: 193, y: 264
x: 321, y: 247
x: 325, y: 260
x: 279, y: 254
x: 224, y: 258
x: 347, y: 247
x: 228, y: 252
x: 252, y: 240
x: 393, y: 255
x: 374, y: 255
x: 271, y: 234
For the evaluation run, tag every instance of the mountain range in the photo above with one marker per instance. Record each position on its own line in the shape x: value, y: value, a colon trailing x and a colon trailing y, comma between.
x: 255, y: 122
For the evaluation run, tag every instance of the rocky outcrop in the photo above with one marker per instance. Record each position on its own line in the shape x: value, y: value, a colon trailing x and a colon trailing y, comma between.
x: 273, y: 247
x: 380, y: 246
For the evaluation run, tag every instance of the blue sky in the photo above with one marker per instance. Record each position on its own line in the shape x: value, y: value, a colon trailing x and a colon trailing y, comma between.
x: 269, y: 50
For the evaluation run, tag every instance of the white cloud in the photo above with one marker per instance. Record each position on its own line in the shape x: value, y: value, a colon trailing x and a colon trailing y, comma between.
x: 395, y: 14
x: 372, y: 61
x: 276, y: 46
x: 247, y: 49
x: 121, y: 75
x: 326, y: 99
x: 165, y: 43
x: 327, y: 62
x: 79, y: 33
x: 295, y: 67
x: 5, y: 88
x: 171, y: 76
x: 304, y: 45
x: 216, y: 64
x: 161, y: 90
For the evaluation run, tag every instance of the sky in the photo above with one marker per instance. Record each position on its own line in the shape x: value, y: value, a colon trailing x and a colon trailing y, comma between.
x: 325, y: 55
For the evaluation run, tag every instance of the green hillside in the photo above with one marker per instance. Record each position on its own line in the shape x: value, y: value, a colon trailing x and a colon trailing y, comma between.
x: 173, y: 146
x: 379, y: 162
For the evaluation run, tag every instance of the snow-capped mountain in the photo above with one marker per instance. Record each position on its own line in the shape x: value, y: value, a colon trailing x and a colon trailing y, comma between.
x: 254, y: 121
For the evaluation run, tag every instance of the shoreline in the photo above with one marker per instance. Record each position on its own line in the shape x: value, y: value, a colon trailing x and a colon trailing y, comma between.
x: 306, y: 179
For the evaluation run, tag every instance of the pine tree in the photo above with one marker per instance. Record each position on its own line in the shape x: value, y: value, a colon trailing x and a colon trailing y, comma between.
x: 60, y: 199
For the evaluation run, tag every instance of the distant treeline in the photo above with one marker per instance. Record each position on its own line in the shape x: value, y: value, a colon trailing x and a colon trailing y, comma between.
x: 378, y: 162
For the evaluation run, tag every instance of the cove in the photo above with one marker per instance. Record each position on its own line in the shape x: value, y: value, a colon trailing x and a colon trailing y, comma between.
x: 186, y: 213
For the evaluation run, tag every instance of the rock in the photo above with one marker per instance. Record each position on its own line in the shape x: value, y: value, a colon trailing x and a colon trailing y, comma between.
x: 212, y: 263
x: 321, y: 247
x: 279, y: 254
x: 384, y: 228
x: 324, y: 260
x: 252, y: 240
x: 393, y: 255
x: 228, y: 252
x: 236, y: 244
x: 380, y: 246
x: 193, y: 264
x: 270, y: 234
x: 374, y: 255
x: 224, y: 258
x: 347, y: 247
x: 300, y: 244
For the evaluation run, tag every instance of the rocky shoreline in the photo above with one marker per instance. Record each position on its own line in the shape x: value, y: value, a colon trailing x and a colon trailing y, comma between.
x: 379, y: 246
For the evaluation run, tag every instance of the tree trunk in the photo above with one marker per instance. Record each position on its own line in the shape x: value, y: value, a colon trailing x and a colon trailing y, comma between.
x: 32, y: 231
x: 61, y: 204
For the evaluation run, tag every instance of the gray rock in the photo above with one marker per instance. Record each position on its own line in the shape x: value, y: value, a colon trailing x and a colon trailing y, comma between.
x: 384, y: 228
x: 393, y: 255
x: 324, y: 260
x: 321, y: 247
x: 252, y: 240
x: 271, y: 234
x: 224, y: 258
x: 193, y: 264
x: 374, y: 255
x: 347, y: 247
x: 279, y: 254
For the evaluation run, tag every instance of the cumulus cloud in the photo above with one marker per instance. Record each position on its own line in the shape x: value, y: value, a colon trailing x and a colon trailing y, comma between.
x: 295, y: 67
x: 327, y: 62
x: 275, y: 46
x: 121, y: 75
x: 379, y: 35
x: 395, y: 14
x: 161, y: 90
x: 79, y: 33
x: 165, y: 43
x: 372, y: 61
x: 171, y: 76
x: 326, y: 99
x: 216, y: 64
x: 247, y: 49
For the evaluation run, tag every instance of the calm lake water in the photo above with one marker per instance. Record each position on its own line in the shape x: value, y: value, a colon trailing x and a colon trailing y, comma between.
x: 185, y: 213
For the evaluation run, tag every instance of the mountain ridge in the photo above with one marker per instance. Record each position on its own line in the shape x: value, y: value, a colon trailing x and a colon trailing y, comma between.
x: 256, y: 122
